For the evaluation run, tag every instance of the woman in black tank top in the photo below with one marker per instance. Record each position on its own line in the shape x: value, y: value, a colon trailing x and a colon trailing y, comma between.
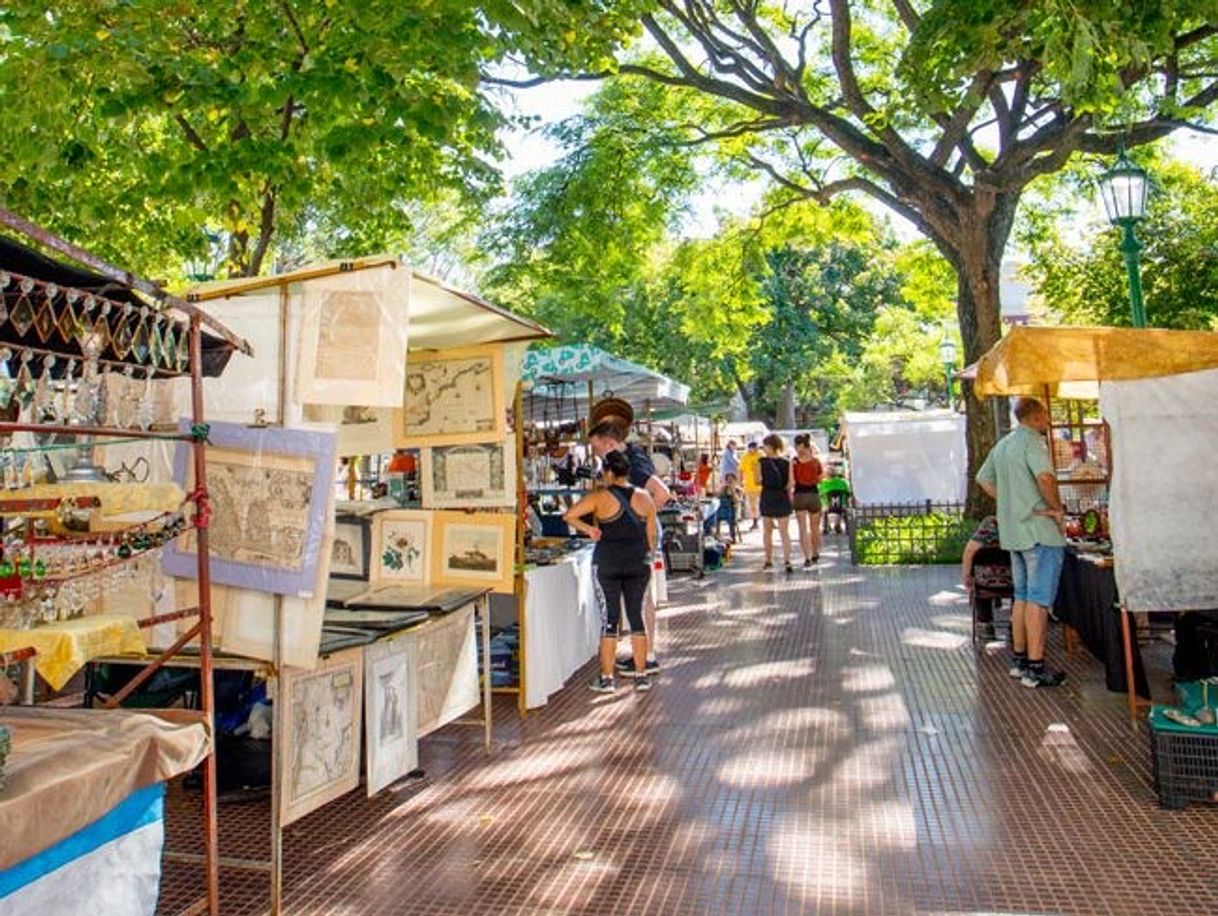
x: 625, y: 535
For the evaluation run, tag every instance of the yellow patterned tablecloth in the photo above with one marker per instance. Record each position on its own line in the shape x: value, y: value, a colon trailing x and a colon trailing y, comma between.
x: 65, y: 647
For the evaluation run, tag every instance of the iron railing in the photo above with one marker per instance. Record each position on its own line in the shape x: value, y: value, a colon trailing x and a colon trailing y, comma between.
x: 914, y: 533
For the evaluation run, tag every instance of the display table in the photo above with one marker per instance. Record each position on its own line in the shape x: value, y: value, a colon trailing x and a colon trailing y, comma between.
x: 65, y: 647
x: 1087, y: 600
x: 563, y: 627
x: 82, y: 802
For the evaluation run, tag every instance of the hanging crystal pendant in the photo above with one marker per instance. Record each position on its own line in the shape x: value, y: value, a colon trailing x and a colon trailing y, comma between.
x: 183, y: 348
x: 169, y: 348
x: 124, y: 333
x: 44, y: 320
x: 6, y: 379
x: 141, y: 344
x: 68, y: 325
x: 22, y: 315
x: 44, y: 393
x: 156, y: 346
x: 25, y: 377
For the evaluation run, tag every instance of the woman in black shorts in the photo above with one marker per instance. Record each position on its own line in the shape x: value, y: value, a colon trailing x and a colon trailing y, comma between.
x: 776, y: 485
x: 625, y: 534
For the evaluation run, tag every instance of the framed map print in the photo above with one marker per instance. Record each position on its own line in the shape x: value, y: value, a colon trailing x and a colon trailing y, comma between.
x: 391, y: 713
x: 353, y: 336
x: 271, y: 492
x: 322, y: 717
x: 401, y: 547
x: 469, y: 476
x: 453, y: 396
x: 351, y: 553
x: 475, y: 549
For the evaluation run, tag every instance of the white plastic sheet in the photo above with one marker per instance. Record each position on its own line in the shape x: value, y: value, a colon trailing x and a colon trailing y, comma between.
x: 1164, y: 495
x: 907, y: 457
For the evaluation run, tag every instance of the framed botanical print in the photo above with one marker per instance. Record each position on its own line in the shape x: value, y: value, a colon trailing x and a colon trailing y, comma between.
x: 351, y: 555
x: 475, y: 549
x: 271, y: 492
x: 453, y: 396
x: 477, y: 475
x: 401, y: 547
x: 391, y: 712
x: 322, y: 717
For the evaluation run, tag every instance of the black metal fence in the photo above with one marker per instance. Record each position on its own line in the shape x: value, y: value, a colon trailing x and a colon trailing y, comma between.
x: 917, y: 533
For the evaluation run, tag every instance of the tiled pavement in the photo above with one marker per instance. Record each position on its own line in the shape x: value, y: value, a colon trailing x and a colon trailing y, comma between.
x: 824, y: 743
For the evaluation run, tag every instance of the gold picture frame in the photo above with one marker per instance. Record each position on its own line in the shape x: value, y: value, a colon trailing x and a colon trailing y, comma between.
x: 474, y: 549
x: 452, y: 397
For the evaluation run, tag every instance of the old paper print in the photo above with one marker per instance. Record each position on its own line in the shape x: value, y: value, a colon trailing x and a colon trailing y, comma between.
x: 445, y: 657
x: 455, y: 396
x: 391, y: 713
x: 322, y: 716
x: 348, y: 330
x: 402, y: 547
x: 475, y: 550
x: 469, y: 476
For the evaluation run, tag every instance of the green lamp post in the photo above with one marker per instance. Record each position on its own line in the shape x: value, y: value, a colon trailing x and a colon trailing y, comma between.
x: 947, y: 356
x: 1123, y: 189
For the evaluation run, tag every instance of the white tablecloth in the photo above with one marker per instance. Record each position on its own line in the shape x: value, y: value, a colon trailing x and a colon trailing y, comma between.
x: 561, y: 625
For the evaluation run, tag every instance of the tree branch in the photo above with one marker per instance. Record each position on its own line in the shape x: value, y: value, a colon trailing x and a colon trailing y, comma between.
x: 286, y: 6
x: 192, y: 136
x: 908, y: 14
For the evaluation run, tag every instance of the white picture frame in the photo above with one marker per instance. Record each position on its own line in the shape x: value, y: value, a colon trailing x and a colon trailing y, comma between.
x: 391, y: 713
x: 469, y: 475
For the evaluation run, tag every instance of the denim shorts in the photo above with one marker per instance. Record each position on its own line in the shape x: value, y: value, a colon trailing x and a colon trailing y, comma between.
x: 1036, y: 573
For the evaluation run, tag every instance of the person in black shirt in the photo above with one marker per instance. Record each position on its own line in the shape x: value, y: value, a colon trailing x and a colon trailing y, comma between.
x: 776, y: 488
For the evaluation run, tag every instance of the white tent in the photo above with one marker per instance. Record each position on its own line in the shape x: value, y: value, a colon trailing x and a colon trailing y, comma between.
x: 744, y: 432
x: 565, y: 373
x: 907, y: 456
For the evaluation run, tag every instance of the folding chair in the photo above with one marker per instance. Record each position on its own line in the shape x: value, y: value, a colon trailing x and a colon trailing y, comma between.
x: 992, y: 581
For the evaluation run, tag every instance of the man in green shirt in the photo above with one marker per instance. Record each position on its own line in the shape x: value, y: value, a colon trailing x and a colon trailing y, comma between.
x: 1019, y: 475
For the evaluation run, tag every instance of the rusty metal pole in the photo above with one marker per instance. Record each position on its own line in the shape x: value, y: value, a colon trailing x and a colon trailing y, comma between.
x: 206, y: 686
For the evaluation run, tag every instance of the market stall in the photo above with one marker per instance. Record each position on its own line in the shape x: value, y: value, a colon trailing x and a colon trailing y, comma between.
x: 906, y: 456
x: 83, y: 348
x: 1130, y: 466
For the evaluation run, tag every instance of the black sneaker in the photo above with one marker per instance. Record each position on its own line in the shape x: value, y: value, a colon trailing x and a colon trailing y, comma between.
x: 987, y: 632
x: 767, y: 565
x: 788, y: 568
x: 642, y: 685
x: 1042, y: 678
x: 653, y: 667
x: 602, y: 684
x: 625, y: 667
x: 1019, y: 667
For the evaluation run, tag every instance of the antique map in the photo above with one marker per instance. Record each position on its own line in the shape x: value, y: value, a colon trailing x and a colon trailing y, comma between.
x: 348, y: 331
x: 451, y: 396
x: 323, y: 712
x: 260, y: 507
x: 464, y: 476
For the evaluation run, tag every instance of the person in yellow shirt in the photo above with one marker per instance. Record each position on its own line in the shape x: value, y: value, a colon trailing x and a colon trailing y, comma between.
x: 750, y: 479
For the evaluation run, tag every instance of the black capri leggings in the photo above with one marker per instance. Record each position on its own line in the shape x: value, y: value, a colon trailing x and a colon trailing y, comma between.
x: 614, y: 586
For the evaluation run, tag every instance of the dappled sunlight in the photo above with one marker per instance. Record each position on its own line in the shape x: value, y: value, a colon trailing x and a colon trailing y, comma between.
x: 890, y: 822
x: 721, y: 706
x: 947, y: 599
x: 957, y: 622
x: 817, y: 863
x: 753, y: 675
x: 867, y: 678
x: 828, y: 725
x: 1059, y: 748
x: 588, y: 871
x: 884, y: 713
x: 767, y: 767
x: 933, y: 639
x: 869, y: 765
x: 558, y: 758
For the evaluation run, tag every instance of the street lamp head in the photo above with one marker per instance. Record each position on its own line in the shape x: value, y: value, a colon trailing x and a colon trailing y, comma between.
x: 947, y: 352
x: 1123, y: 189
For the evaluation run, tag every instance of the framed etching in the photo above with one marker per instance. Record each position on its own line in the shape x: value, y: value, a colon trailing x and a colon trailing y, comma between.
x: 391, y: 713
x: 322, y: 716
x: 270, y: 492
x: 401, y: 546
x: 351, y: 554
x: 479, y: 475
x: 475, y: 549
x: 452, y: 396
x: 353, y: 337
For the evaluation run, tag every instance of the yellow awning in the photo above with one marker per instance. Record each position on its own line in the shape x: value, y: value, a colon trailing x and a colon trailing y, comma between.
x: 1070, y: 361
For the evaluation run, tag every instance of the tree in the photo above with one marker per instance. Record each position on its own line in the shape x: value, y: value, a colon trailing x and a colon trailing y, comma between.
x: 1087, y: 284
x: 943, y: 111
x: 134, y: 126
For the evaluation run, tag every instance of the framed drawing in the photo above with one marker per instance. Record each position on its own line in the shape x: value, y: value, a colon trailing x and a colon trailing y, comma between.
x: 467, y: 476
x: 350, y: 556
x: 474, y: 549
x: 453, y: 396
x: 401, y: 546
x: 271, y: 492
x: 391, y: 713
x: 322, y: 716
x: 353, y: 337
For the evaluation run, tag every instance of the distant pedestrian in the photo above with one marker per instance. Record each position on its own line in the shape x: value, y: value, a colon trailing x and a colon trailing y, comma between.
x: 1019, y: 474
x: 750, y: 480
x: 729, y: 462
x: 703, y: 475
x: 807, y: 471
x: 777, y: 486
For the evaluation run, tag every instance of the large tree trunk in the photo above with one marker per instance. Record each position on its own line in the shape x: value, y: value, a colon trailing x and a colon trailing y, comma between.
x: 977, y: 258
x: 786, y: 407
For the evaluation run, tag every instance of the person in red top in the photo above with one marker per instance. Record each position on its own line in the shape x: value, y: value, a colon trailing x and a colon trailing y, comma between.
x: 807, y: 471
x: 704, y: 474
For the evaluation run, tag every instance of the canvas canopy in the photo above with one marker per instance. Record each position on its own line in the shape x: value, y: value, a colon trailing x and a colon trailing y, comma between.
x: 1070, y: 362
x: 564, y: 373
x: 907, y: 456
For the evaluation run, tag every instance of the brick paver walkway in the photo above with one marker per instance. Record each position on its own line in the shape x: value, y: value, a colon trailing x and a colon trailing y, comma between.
x: 825, y: 743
